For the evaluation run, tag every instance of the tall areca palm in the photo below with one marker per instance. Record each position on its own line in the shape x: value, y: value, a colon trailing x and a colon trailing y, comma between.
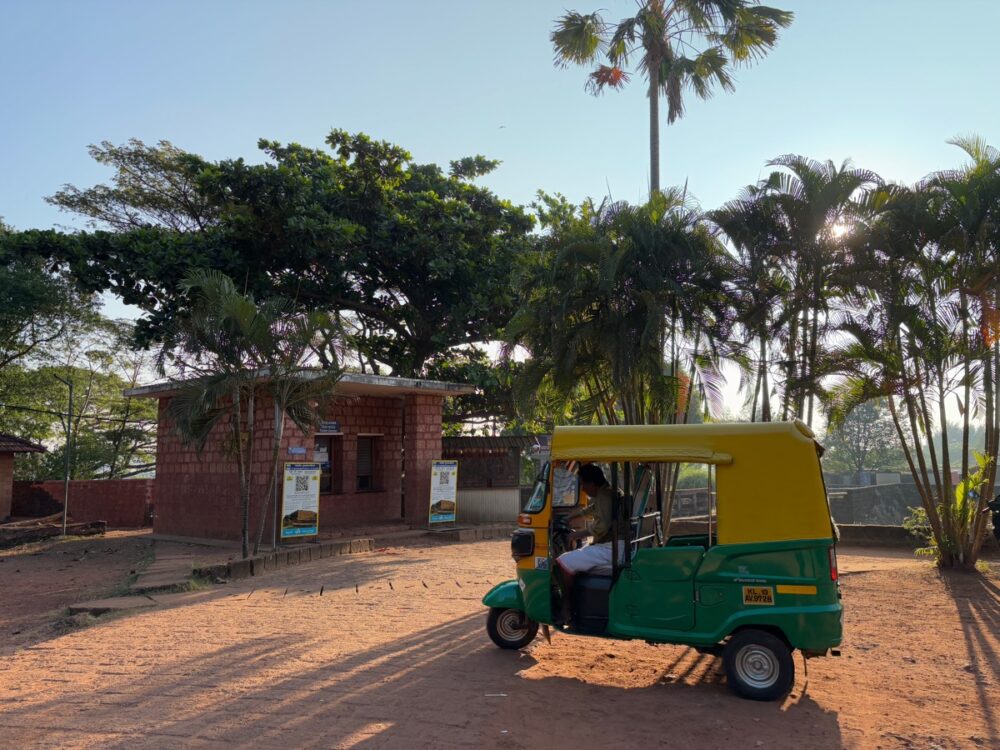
x: 630, y: 305
x: 922, y: 327
x: 677, y: 45
x: 970, y: 230
x: 754, y: 226
x: 228, y: 351
x: 818, y: 202
x: 628, y: 315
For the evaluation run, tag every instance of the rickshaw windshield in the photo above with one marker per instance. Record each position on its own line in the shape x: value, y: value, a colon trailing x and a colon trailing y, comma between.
x: 565, y: 484
x: 537, y: 500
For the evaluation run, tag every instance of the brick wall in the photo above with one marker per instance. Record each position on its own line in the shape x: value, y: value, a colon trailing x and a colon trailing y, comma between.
x: 421, y: 445
x: 198, y: 493
x: 6, y: 483
x: 123, y: 503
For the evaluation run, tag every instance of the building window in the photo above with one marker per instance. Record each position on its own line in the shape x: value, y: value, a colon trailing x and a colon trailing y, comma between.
x: 367, y: 447
x: 327, y: 453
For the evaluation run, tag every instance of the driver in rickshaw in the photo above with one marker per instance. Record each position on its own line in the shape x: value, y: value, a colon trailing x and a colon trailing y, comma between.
x: 600, y: 512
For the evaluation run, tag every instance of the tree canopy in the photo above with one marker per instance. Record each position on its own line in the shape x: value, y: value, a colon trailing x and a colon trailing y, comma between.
x: 410, y: 259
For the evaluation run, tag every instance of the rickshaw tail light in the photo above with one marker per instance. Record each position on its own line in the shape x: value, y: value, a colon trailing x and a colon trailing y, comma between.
x: 832, y: 553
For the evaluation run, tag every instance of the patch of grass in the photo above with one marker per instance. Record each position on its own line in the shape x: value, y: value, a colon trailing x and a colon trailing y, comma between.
x: 199, y: 583
x: 67, y: 623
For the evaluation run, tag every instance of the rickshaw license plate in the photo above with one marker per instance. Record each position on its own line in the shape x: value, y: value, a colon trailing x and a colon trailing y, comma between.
x: 758, y: 595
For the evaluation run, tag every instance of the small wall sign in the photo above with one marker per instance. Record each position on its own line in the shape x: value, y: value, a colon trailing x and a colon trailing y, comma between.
x: 329, y: 426
x: 296, y: 450
x: 300, y: 500
x: 444, y: 489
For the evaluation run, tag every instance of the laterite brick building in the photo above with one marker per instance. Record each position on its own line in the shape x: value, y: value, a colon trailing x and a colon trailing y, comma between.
x: 377, y: 443
x: 9, y: 445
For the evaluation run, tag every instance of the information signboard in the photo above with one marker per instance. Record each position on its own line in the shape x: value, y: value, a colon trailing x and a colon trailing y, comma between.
x: 444, y: 491
x: 300, y: 500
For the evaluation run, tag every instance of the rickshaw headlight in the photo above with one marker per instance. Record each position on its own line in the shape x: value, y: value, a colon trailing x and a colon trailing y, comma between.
x: 522, y: 544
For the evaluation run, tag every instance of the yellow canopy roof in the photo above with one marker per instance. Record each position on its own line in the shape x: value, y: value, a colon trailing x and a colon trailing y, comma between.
x: 769, y: 482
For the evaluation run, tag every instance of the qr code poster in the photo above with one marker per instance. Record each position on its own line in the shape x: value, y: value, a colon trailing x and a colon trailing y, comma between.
x: 300, y: 500
x: 444, y: 485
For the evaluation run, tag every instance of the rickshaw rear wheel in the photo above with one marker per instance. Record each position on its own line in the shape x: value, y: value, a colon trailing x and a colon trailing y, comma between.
x: 758, y: 665
x: 510, y: 628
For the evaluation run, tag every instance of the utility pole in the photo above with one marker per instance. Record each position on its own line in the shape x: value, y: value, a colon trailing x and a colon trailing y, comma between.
x: 69, y: 446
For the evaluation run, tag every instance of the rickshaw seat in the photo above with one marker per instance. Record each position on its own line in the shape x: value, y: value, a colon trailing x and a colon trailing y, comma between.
x: 591, y: 594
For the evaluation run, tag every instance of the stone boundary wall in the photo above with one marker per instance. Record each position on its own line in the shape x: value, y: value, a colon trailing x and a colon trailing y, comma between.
x: 883, y: 505
x: 121, y: 503
x: 255, y: 566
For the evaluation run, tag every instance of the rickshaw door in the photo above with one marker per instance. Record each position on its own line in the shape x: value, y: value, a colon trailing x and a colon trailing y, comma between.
x: 657, y: 591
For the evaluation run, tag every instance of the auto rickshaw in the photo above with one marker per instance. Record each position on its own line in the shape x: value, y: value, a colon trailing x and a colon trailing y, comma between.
x: 759, y: 582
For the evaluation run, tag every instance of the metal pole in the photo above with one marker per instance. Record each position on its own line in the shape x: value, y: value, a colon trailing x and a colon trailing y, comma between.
x: 69, y: 446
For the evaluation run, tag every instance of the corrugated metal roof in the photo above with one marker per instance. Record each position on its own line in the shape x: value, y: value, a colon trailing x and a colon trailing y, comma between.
x: 11, y: 444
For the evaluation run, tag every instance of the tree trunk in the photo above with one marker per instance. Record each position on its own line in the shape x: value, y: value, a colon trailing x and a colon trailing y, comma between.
x: 654, y: 130
x: 279, y: 428
x: 241, y: 462
x: 813, y: 356
x: 765, y: 406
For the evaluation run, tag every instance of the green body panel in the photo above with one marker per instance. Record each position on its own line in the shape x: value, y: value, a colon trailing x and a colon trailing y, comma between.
x: 536, y: 588
x: 506, y: 595
x: 809, y: 621
x: 657, y: 591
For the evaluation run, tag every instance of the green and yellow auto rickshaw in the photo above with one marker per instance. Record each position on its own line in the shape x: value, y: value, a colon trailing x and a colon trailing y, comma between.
x: 757, y: 581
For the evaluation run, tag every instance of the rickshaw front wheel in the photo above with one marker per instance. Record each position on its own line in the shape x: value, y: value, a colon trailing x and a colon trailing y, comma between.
x: 758, y: 665
x: 510, y: 628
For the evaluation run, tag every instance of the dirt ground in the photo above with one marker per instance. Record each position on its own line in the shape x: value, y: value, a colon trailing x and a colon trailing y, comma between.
x: 38, y: 581
x: 389, y: 649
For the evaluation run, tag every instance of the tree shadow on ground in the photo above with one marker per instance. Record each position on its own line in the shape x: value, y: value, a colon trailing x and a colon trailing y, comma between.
x: 441, y: 686
x: 977, y: 599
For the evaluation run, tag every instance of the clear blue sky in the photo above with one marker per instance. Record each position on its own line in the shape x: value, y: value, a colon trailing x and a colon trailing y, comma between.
x: 884, y: 82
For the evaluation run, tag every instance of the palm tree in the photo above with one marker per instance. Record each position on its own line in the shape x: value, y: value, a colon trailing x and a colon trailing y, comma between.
x: 970, y: 224
x: 285, y: 350
x: 678, y: 45
x: 922, y: 293
x: 626, y: 302
x: 626, y: 317
x: 229, y: 351
x: 753, y: 225
x: 818, y: 202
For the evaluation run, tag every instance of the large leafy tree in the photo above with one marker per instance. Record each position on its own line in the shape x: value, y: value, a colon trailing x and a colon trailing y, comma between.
x: 37, y: 305
x: 412, y: 260
x: 150, y: 186
x: 678, y: 46
x: 864, y: 440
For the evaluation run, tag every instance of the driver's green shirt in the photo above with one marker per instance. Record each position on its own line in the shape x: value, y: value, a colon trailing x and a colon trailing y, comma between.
x: 601, y: 512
